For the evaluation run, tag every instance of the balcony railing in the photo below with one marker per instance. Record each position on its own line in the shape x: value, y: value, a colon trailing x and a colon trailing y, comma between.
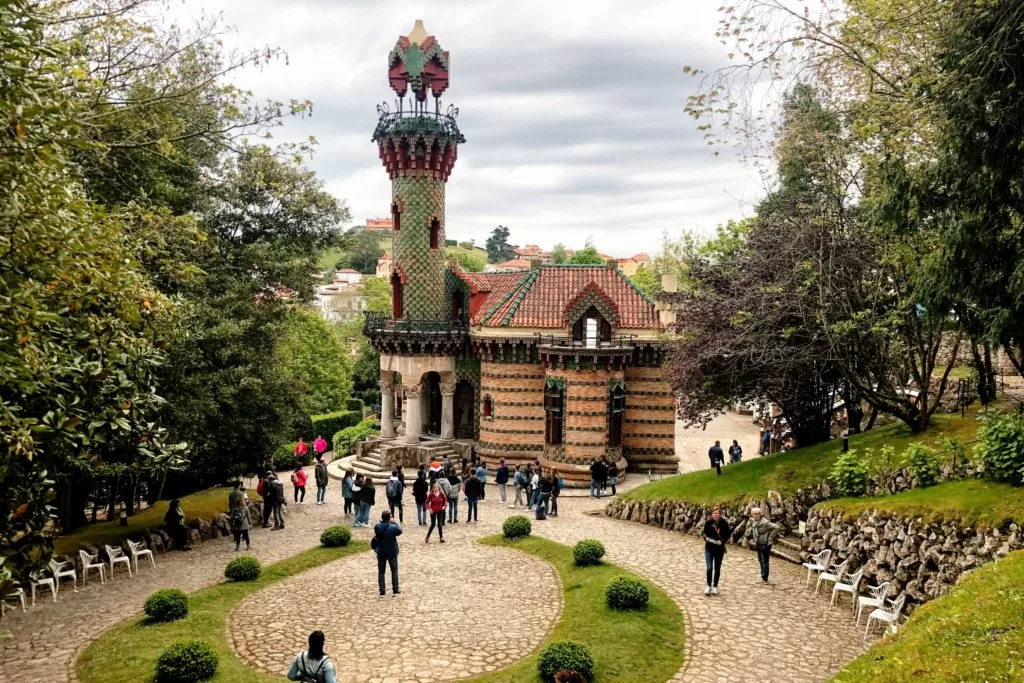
x: 382, y: 325
x: 618, y: 342
x: 417, y: 120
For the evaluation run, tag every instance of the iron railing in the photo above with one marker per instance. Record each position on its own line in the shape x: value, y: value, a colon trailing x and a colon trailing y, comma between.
x: 417, y: 120
x: 377, y: 323
x: 618, y: 342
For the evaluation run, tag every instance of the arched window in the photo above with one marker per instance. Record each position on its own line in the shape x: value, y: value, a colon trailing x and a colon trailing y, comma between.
x: 553, y: 409
x: 396, y: 217
x: 488, y: 406
x: 396, y: 296
x: 458, y: 306
x: 435, y: 233
x: 616, y: 409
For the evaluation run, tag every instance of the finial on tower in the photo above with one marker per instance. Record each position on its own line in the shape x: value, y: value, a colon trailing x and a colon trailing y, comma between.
x: 418, y: 34
x: 418, y: 62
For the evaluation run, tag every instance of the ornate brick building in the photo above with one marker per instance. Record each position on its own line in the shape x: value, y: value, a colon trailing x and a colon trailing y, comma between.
x: 560, y: 364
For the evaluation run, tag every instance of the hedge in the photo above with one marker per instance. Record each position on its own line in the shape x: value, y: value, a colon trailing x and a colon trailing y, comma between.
x: 245, y: 568
x: 355, y: 404
x: 345, y: 440
x: 588, y: 552
x: 284, y: 457
x: 187, y: 661
x: 516, y: 526
x: 335, y: 536
x: 627, y: 593
x: 167, y: 604
x: 328, y: 424
x: 565, y: 655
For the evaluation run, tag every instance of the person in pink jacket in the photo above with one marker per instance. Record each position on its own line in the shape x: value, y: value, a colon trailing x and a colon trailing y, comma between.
x: 319, y: 446
x: 299, y: 482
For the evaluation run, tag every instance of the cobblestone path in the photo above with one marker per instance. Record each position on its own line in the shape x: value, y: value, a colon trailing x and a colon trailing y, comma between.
x: 779, y: 632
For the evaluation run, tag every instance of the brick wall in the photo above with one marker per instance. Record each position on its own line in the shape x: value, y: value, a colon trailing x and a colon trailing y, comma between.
x: 649, y: 424
x: 515, y: 429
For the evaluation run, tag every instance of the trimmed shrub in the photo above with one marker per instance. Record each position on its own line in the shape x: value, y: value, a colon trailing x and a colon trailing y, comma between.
x: 627, y: 593
x: 849, y: 475
x: 923, y: 464
x: 284, y: 457
x: 167, y: 604
x: 336, y: 536
x: 345, y: 440
x: 587, y: 552
x: 355, y: 405
x: 566, y: 655
x: 516, y: 526
x: 1001, y: 450
x: 186, y: 661
x: 328, y: 424
x: 245, y: 568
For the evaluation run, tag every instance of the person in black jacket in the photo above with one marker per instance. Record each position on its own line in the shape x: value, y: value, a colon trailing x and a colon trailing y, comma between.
x: 367, y: 497
x: 471, y: 486
x: 717, y: 456
x: 419, y: 494
x: 386, y: 532
x: 716, y: 534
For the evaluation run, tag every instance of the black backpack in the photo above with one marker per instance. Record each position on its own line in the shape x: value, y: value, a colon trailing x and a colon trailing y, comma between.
x: 304, y: 672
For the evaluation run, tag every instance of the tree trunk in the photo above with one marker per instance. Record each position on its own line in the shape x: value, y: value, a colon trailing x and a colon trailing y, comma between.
x: 871, y: 419
x: 986, y: 374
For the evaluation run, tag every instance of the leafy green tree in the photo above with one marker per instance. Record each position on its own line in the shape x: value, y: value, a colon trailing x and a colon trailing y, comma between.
x: 377, y: 291
x: 497, y: 246
x: 558, y: 254
x: 471, y: 261
x: 647, y: 280
x: 364, y: 252
x: 314, y: 353
x: 587, y: 256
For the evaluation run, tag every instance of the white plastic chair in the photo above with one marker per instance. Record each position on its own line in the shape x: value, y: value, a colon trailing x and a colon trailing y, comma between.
x: 91, y: 562
x: 876, y: 599
x: 16, y: 593
x: 832, y: 576
x: 817, y: 564
x: 887, y: 615
x: 850, y: 585
x: 61, y: 570
x: 138, y: 550
x: 116, y: 556
x: 39, y: 579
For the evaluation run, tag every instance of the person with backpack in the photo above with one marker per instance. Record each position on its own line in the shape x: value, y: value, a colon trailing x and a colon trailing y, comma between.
x: 238, y: 512
x: 544, y: 486
x: 299, y: 477
x: 394, y: 489
x: 436, y: 502
x: 613, y: 475
x: 598, y: 475
x: 450, y: 488
x: 471, y: 487
x: 446, y: 466
x: 278, y: 502
x: 346, y: 491
x: 367, y: 499
x: 518, y: 484
x: 263, y: 488
x: 385, y: 537
x: 557, y: 484
x: 357, y: 489
x: 735, y: 452
x: 321, y: 478
x: 716, y: 535
x: 419, y: 494
x: 501, y: 479
x: 313, y: 665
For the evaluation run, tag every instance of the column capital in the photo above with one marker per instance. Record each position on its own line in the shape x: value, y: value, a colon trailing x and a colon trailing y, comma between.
x: 413, y: 391
x: 387, y: 386
x: 447, y: 388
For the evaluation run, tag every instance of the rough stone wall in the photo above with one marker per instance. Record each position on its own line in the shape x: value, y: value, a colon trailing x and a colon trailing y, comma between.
x: 515, y: 429
x: 922, y: 558
x: 649, y: 426
x: 420, y: 199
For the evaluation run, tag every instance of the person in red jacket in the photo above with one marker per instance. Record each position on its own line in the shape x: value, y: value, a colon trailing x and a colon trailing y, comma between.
x: 299, y: 477
x: 436, y: 503
x: 301, y: 451
x: 319, y: 446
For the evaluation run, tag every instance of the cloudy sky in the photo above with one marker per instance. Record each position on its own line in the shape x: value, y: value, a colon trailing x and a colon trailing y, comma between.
x: 572, y: 111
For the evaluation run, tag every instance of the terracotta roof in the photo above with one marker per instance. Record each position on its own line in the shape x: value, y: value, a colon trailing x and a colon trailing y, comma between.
x: 513, y: 263
x: 641, y: 258
x: 541, y: 297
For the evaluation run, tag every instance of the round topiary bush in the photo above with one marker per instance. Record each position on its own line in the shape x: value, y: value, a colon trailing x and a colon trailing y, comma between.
x: 565, y: 655
x: 627, y: 593
x: 588, y: 552
x: 186, y: 661
x: 167, y: 604
x: 336, y: 536
x: 516, y: 526
x: 246, y: 568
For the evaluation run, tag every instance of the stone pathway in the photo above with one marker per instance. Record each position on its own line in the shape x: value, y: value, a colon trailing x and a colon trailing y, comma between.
x: 779, y: 632
x: 692, y: 443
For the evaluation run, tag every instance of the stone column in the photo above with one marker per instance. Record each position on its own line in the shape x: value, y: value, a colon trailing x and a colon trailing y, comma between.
x: 387, y: 407
x: 447, y: 411
x: 413, y: 418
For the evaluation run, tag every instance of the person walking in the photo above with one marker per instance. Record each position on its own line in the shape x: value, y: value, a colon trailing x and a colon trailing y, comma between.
x: 436, y: 502
x: 174, y: 520
x: 299, y: 477
x: 386, y: 535
x: 264, y: 489
x: 319, y: 447
x: 419, y: 494
x: 481, y: 474
x: 357, y: 493
x: 238, y: 511
x: 716, y: 535
x: 321, y: 478
x: 518, y: 484
x: 346, y: 491
x: 613, y: 476
x: 598, y: 475
x: 544, y: 486
x: 301, y: 450
x: 394, y: 490
x: 367, y: 499
x: 501, y: 479
x: 472, y: 487
x: 557, y: 484
x: 279, y: 501
x: 717, y: 456
x: 313, y: 665
x: 450, y: 487
x: 735, y: 452
x: 534, y: 488
x: 763, y: 534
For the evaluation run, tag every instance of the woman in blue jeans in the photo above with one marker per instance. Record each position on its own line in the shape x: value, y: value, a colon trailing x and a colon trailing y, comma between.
x: 716, y: 535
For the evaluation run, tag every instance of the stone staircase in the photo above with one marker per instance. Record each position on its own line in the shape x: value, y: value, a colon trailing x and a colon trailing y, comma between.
x: 369, y: 463
x: 788, y: 547
x: 439, y: 450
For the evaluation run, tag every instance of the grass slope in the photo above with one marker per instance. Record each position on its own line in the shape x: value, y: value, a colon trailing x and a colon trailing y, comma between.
x: 203, y: 504
x: 128, y: 653
x: 970, y: 501
x: 627, y: 646
x: 975, y: 633
x: 786, y: 472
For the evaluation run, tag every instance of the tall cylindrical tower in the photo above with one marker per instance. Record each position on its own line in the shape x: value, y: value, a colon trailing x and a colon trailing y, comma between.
x: 418, y: 145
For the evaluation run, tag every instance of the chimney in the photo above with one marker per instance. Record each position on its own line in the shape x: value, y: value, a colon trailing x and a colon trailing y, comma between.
x: 669, y: 283
x: 612, y: 263
x: 666, y: 311
x: 536, y: 262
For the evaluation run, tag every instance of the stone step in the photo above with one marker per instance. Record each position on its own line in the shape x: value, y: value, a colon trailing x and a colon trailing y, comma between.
x: 788, y: 555
x: 790, y: 543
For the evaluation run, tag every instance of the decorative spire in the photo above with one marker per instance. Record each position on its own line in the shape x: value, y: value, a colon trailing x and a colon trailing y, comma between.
x: 418, y: 62
x: 418, y: 34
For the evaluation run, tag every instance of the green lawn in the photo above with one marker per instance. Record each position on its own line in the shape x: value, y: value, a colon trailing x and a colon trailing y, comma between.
x: 627, y: 646
x: 786, y: 472
x: 128, y: 652
x: 973, y: 502
x: 203, y: 504
x: 975, y: 633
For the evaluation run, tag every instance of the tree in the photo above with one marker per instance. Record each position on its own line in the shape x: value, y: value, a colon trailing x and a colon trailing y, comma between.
x: 314, y: 353
x: 470, y: 260
x: 497, y: 246
x: 377, y: 291
x: 364, y: 251
x: 647, y: 280
x: 558, y: 254
x: 587, y: 256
